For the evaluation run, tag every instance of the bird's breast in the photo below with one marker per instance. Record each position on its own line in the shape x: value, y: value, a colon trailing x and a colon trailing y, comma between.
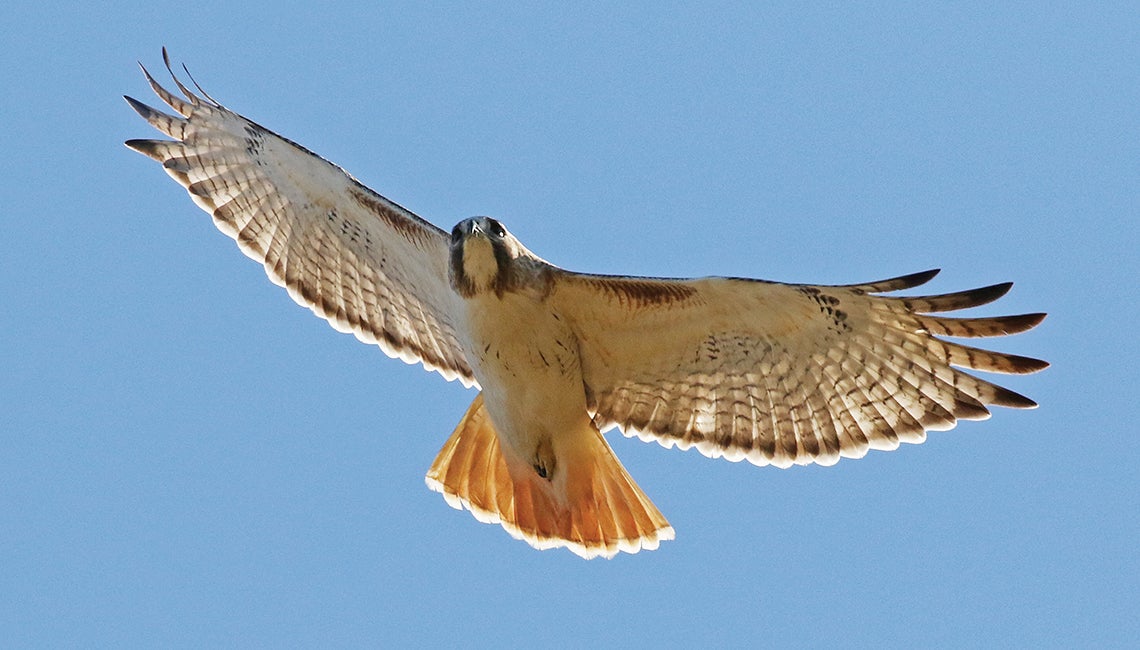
x: 526, y: 360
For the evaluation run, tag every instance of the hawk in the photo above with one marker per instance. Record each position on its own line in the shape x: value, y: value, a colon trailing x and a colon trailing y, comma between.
x: 778, y: 374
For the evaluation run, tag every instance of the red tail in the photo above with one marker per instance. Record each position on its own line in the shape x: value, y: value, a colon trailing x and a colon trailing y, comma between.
x: 599, y: 510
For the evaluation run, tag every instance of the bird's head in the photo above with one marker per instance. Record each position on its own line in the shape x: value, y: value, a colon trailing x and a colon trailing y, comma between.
x: 482, y: 256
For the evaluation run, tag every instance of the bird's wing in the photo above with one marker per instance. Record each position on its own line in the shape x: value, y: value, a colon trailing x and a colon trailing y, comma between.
x: 783, y: 374
x: 360, y: 261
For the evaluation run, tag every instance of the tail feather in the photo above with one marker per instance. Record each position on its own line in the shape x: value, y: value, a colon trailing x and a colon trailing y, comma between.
x: 596, y: 511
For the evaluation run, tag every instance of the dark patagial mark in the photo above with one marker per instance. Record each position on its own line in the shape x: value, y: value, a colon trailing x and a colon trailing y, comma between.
x: 643, y: 293
x: 407, y: 225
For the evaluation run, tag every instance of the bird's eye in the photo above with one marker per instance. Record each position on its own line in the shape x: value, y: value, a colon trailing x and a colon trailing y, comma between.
x: 497, y: 229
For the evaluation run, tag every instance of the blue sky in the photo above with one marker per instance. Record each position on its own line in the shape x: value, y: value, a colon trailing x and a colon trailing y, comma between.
x: 187, y: 458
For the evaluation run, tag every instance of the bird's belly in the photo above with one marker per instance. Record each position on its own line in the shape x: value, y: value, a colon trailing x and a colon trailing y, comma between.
x: 526, y: 360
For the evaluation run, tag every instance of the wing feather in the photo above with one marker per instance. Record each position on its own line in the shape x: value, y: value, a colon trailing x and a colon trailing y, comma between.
x: 784, y: 374
x: 894, y: 284
x: 360, y: 261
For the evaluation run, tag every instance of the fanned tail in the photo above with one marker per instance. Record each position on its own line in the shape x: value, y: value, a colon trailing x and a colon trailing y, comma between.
x: 597, y: 510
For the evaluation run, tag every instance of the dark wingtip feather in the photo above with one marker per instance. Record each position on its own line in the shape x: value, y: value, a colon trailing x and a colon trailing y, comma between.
x: 1009, y: 399
x: 986, y: 295
x: 148, y: 148
x: 1021, y: 323
x: 142, y: 109
x: 895, y: 284
x: 1028, y: 365
x: 194, y: 81
x: 916, y: 279
x: 194, y: 99
x: 148, y: 76
x: 1015, y: 364
x: 957, y: 300
x: 968, y: 408
x: 978, y: 327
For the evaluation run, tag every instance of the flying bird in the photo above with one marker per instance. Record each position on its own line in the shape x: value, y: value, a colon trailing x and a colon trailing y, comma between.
x: 778, y: 374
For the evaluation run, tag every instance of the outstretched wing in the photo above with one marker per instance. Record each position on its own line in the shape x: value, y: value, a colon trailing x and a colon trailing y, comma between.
x: 783, y: 374
x: 360, y: 261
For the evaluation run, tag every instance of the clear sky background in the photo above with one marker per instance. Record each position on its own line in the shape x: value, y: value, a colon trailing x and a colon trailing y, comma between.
x: 189, y: 459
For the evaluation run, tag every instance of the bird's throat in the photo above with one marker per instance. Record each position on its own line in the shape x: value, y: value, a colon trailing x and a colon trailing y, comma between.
x: 480, y: 265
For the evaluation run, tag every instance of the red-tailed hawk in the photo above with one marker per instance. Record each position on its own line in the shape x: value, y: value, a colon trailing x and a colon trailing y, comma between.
x: 775, y: 373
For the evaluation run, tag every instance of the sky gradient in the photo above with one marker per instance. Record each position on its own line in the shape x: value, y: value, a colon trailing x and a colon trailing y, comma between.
x: 187, y: 458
